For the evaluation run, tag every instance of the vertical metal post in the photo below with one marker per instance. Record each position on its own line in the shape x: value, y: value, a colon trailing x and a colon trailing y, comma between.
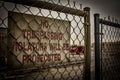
x: 97, y: 47
x: 87, y: 74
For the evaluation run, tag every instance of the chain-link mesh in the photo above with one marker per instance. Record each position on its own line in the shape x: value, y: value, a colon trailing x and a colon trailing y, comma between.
x: 110, y: 49
x: 107, y: 47
x: 110, y: 52
x: 40, y: 44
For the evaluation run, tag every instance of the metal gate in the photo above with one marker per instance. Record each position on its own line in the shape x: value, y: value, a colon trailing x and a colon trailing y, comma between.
x: 107, y: 49
x: 44, y: 40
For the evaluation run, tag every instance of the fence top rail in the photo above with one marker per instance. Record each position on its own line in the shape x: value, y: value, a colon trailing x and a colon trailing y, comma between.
x: 109, y: 23
x: 49, y: 6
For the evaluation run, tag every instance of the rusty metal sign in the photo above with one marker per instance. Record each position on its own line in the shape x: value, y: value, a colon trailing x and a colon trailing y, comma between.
x: 36, y: 40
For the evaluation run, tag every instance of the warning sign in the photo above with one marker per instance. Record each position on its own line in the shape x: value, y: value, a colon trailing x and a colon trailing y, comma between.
x: 35, y: 40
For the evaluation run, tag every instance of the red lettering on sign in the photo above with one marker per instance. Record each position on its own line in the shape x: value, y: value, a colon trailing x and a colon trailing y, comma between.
x: 24, y: 58
x: 44, y: 23
x: 33, y: 46
x: 66, y: 46
x: 54, y: 46
x: 30, y: 34
x: 36, y: 58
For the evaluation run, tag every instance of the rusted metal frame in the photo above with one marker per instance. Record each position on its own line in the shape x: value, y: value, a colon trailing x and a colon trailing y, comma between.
x: 49, y: 6
x: 87, y: 73
x: 109, y: 23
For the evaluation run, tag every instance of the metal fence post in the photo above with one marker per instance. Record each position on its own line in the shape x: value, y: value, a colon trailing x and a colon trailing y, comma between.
x: 97, y: 47
x: 87, y: 75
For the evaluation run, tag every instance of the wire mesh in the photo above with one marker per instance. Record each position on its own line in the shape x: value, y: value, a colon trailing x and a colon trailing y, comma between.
x: 110, y: 50
x: 41, y: 44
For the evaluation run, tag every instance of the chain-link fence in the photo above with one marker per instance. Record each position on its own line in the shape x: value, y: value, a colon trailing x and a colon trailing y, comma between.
x: 107, y: 49
x: 43, y: 40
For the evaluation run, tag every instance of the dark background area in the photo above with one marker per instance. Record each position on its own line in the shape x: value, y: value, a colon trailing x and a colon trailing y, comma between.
x: 105, y: 7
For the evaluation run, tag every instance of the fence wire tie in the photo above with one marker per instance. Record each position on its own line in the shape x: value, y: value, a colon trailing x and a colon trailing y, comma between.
x: 99, y: 33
